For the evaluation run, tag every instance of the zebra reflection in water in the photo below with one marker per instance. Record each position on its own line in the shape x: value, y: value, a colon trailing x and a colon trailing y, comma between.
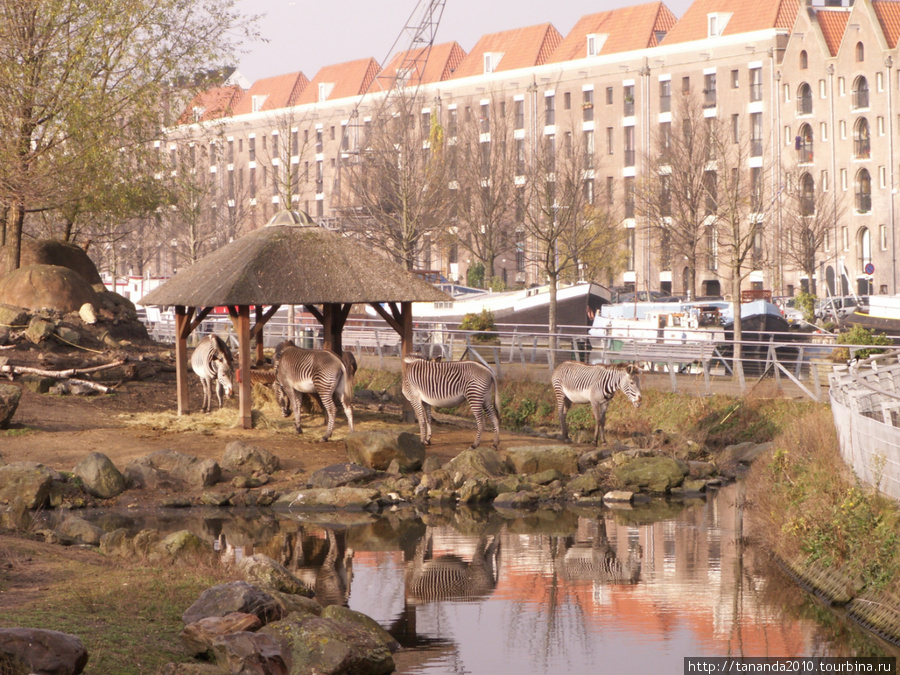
x: 597, y: 560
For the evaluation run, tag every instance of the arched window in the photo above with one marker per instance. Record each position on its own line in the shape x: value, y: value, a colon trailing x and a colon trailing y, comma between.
x: 804, y: 100
x: 804, y: 60
x: 805, y: 144
x: 860, y: 92
x: 862, y: 144
x: 807, y: 195
x: 860, y: 52
x: 863, y: 191
x: 864, y: 248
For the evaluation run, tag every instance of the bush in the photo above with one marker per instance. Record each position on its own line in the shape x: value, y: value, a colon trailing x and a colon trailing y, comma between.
x: 806, y: 303
x: 475, y: 275
x: 858, y: 335
x: 482, y: 324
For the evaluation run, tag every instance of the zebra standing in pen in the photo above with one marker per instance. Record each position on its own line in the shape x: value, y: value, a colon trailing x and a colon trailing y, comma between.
x: 595, y: 384
x: 312, y: 371
x: 447, y: 384
x: 212, y: 362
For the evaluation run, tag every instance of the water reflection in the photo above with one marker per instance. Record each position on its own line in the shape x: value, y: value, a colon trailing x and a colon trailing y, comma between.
x: 471, y: 591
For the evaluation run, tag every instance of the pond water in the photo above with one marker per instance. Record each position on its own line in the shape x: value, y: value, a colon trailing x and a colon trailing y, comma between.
x: 573, y: 591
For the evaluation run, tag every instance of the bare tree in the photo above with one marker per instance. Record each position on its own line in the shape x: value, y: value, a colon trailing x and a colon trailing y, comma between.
x: 676, y: 195
x: 562, y: 225
x: 397, y: 185
x: 808, y: 217
x: 99, y: 76
x: 284, y: 152
x: 482, y: 170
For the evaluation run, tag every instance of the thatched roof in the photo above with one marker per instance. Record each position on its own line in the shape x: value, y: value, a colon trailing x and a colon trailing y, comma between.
x: 292, y: 261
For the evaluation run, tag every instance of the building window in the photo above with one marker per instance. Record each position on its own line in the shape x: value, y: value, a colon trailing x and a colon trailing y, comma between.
x: 251, y: 149
x: 685, y: 85
x: 665, y: 141
x: 709, y: 90
x: 804, y: 100
x: 629, y: 250
x: 549, y: 110
x: 735, y: 128
x: 485, y: 118
x: 665, y: 96
x: 879, y: 81
x: 823, y: 131
x: 805, y: 145
x: 807, y: 195
x: 735, y: 79
x: 756, y: 84
x: 587, y: 105
x: 609, y: 140
x: 609, y: 96
x: 629, y: 196
x: 863, y: 191
x: 628, y: 94
x: 883, y: 236
x: 823, y: 89
x: 567, y: 100
x: 843, y: 127
x: 844, y: 180
x: 629, y: 146
x: 519, y: 113
x: 824, y: 181
x: 804, y: 60
x: 756, y: 135
x: 860, y: 52
x: 860, y: 92
x: 862, y: 144
x: 588, y: 149
x: 520, y: 156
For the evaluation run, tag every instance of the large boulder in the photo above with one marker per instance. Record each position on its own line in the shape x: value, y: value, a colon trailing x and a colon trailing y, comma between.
x: 100, y: 476
x: 198, y: 637
x: 81, y: 531
x: 338, y: 475
x: 246, y: 652
x: 169, y: 468
x: 9, y: 402
x: 44, y: 651
x: 236, y: 596
x: 377, y: 449
x: 477, y: 463
x: 51, y: 286
x: 270, y: 575
x: 535, y: 459
x: 341, y: 498
x: 653, y: 474
x: 53, y: 252
x: 30, y: 482
x: 242, y: 457
x: 333, y: 643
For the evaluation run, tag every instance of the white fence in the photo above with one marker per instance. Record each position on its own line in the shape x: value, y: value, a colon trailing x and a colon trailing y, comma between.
x: 865, y: 401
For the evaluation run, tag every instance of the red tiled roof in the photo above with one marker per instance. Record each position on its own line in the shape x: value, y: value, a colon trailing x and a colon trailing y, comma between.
x: 832, y: 23
x: 745, y: 17
x: 280, y: 91
x: 627, y: 28
x: 348, y: 79
x: 443, y: 60
x: 214, y: 103
x: 521, y: 48
x: 888, y: 13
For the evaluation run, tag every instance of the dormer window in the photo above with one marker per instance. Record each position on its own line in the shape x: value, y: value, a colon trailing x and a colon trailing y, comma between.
x: 325, y: 90
x: 257, y: 101
x: 716, y: 22
x: 491, y: 61
x: 595, y: 42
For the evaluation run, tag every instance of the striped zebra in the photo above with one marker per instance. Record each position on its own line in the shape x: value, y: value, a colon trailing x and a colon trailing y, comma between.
x: 212, y: 361
x: 447, y: 384
x: 595, y: 384
x: 312, y: 371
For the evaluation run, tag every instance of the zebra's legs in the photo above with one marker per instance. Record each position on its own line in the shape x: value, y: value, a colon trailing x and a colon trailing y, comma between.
x: 417, y: 404
x: 427, y: 408
x: 207, y: 395
x: 477, y: 410
x: 562, y: 408
x: 296, y: 404
x: 599, y: 410
x: 495, y: 420
x: 348, y: 411
x: 330, y: 410
x: 219, y: 391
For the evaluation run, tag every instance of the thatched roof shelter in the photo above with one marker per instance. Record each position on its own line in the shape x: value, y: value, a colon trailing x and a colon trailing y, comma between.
x: 290, y: 261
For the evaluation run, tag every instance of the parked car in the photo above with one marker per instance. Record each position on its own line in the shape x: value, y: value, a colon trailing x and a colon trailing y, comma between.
x: 789, y: 309
x: 831, y: 309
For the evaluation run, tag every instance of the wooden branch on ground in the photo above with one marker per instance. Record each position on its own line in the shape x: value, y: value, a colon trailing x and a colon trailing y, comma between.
x: 93, y: 385
x: 61, y: 374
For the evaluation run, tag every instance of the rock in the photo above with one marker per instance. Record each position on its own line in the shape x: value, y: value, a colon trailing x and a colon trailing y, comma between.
x: 247, y: 652
x: 236, y: 596
x: 377, y: 449
x: 68, y: 335
x: 216, y: 498
x: 242, y: 457
x: 38, y: 286
x: 181, y: 543
x: 343, y: 614
x: 30, y: 482
x: 336, y: 498
x: 100, y: 476
x: 535, y: 459
x: 656, y: 474
x: 117, y: 544
x: 477, y: 490
x: 430, y: 464
x: 145, y: 541
x: 39, y: 329
x: 37, y: 384
x: 55, y: 252
x: 9, y: 402
x: 15, y: 317
x: 289, y: 602
x: 80, y: 530
x: 173, y: 469
x: 592, y: 458
x: 338, y: 475
x: 270, y: 575
x: 198, y: 637
x: 477, y: 463
x: 546, y: 477
x: 331, y: 645
x: 44, y: 651
x: 618, y: 496
x: 88, y: 314
x: 585, y: 484
x: 523, y: 499
x: 702, y: 469
x: 193, y: 669
x: 16, y: 516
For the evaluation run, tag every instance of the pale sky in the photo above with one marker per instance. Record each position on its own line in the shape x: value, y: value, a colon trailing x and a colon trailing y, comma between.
x: 305, y: 35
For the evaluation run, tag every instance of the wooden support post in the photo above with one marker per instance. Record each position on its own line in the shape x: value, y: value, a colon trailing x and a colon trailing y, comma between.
x: 259, y: 328
x: 182, y: 330
x: 406, y: 347
x: 328, y: 327
x: 244, y: 387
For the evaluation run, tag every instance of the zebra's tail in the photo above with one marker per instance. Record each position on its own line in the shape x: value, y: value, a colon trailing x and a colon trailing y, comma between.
x: 496, y: 394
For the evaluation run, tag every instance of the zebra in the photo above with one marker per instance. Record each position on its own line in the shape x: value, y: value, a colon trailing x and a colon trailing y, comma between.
x: 312, y: 371
x: 212, y: 361
x: 449, y: 383
x: 595, y: 384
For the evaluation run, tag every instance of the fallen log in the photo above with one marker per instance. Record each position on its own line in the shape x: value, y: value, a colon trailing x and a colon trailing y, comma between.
x: 60, y: 374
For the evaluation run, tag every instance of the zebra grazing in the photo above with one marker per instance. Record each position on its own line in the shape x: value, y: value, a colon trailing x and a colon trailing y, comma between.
x: 447, y: 384
x: 312, y: 371
x: 581, y: 383
x: 212, y: 361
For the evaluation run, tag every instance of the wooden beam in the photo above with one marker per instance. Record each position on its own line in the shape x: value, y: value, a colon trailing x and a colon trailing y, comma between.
x: 244, y: 386
x: 312, y: 309
x: 182, y: 330
x: 389, y: 319
x: 202, y: 314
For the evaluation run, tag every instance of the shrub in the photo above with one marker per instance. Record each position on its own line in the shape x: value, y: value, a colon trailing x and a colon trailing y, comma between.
x: 475, y: 275
x: 858, y: 335
x: 806, y: 302
x: 482, y: 324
